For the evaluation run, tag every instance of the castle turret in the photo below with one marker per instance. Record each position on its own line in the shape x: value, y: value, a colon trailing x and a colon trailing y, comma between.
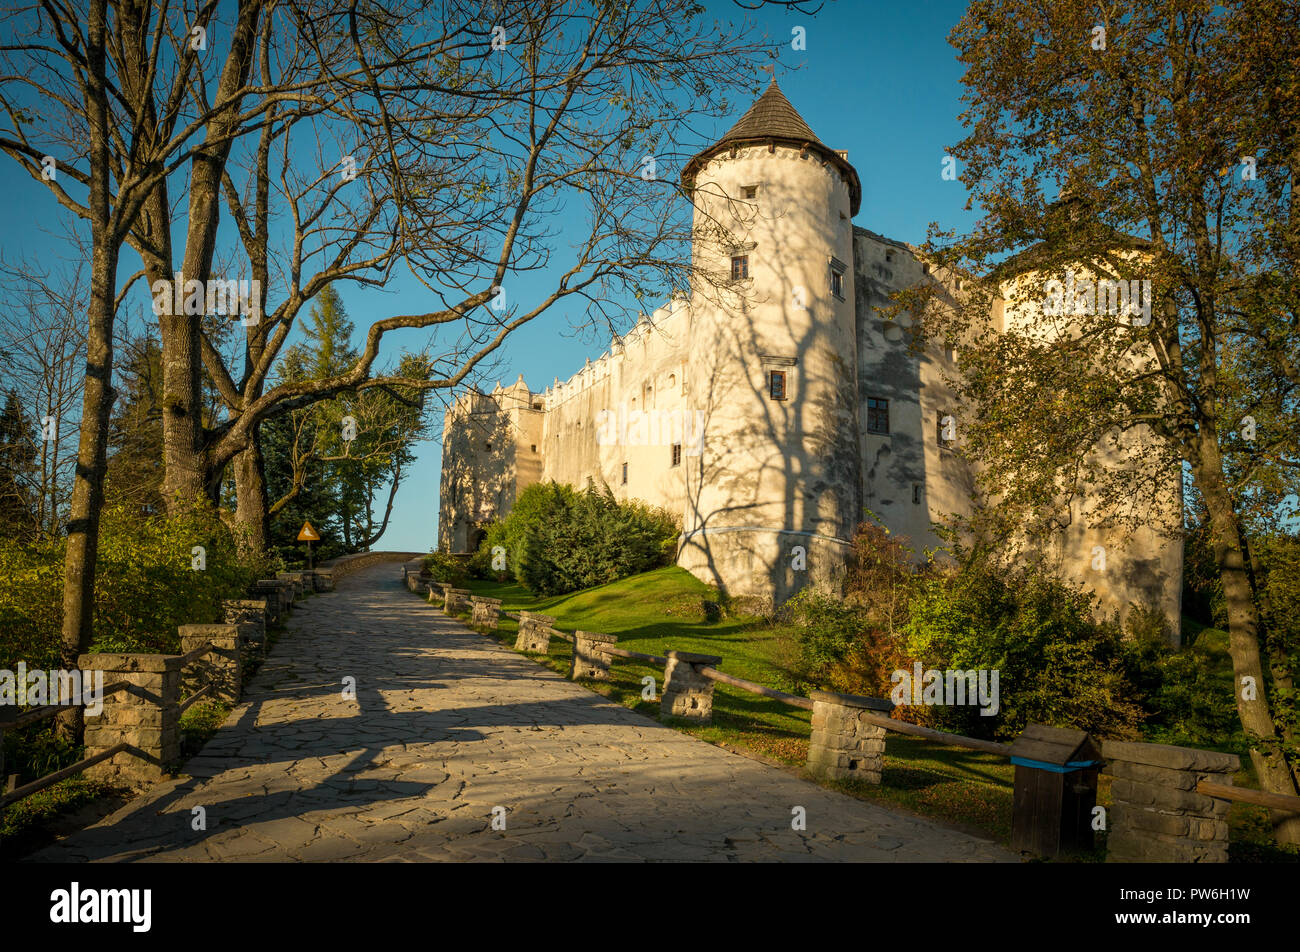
x: 773, y: 498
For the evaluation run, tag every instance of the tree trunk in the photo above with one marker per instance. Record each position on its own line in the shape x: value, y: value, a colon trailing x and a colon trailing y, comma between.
x: 1243, y: 639
x: 252, y: 506
x: 97, y: 396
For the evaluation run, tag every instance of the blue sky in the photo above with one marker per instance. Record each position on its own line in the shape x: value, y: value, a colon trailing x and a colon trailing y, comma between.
x: 878, y: 79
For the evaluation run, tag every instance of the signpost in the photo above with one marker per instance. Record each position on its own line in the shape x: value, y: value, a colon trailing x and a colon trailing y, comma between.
x: 309, y: 535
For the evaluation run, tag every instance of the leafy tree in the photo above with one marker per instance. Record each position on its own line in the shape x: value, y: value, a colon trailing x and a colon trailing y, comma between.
x: 1169, y: 131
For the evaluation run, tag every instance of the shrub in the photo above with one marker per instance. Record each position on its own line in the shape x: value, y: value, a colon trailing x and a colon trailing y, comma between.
x: 446, y: 568
x: 559, y: 540
x: 145, y: 586
x: 1055, y: 664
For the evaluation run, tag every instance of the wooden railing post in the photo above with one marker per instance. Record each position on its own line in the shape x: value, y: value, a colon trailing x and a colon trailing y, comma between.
x: 1157, y: 815
x: 687, y: 692
x: 145, y: 715
x: 587, y: 661
x: 844, y: 745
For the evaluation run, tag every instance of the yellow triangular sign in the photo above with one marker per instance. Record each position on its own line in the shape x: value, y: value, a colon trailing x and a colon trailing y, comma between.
x: 307, y: 533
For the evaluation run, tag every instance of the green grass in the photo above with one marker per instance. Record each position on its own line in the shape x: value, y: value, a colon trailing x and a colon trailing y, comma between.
x: 669, y: 609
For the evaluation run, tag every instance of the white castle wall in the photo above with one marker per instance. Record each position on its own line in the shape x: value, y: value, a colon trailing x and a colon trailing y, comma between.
x: 774, y: 474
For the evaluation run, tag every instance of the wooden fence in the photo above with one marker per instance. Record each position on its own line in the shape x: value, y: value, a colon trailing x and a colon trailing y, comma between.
x: 1169, y: 804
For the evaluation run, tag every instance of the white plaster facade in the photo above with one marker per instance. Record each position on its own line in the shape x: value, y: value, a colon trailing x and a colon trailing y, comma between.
x: 754, y: 476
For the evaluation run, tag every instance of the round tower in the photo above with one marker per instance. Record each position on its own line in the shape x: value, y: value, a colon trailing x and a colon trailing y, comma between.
x: 774, y: 494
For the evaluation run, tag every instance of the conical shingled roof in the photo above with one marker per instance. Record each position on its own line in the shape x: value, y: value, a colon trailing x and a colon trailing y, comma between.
x: 771, y: 116
x: 772, y: 119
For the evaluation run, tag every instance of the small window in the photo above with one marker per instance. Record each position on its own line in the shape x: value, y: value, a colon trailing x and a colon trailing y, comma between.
x: 837, y: 283
x: 889, y: 257
x: 925, y: 269
x: 677, y: 454
x: 916, y: 494
x: 878, y: 416
x: 625, y: 474
x: 537, y: 406
x: 740, y: 267
x: 534, y: 447
x: 776, y: 384
x: 487, y: 446
x: 750, y: 191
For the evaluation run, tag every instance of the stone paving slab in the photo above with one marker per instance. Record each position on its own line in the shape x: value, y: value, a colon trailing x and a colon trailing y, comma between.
x: 446, y: 725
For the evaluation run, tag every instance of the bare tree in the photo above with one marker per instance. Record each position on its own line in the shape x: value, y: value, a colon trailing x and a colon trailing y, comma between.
x: 41, y: 359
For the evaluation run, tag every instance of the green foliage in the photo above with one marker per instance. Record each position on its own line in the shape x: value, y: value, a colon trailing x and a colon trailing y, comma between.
x: 345, y: 486
x: 446, y: 568
x: 1055, y: 665
x: 145, y: 585
x: 559, y: 540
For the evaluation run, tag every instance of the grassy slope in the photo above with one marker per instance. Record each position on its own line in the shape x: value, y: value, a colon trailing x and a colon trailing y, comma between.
x: 665, y: 610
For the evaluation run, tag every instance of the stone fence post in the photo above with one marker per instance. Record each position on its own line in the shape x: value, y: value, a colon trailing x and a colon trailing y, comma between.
x: 843, y: 746
x: 249, y: 614
x: 533, y: 635
x: 220, y: 666
x: 687, y: 692
x: 279, y: 594
x: 144, y: 715
x: 587, y: 661
x: 294, y: 579
x: 1157, y: 815
x: 486, y: 611
x: 455, y: 600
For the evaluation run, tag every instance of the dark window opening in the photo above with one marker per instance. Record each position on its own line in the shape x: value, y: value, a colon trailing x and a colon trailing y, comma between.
x: 837, y: 283
x: 776, y: 384
x: 677, y: 454
x: 916, y: 493
x: 750, y: 191
x: 739, y: 267
x: 878, y: 416
x: 534, y: 447
x: 625, y: 474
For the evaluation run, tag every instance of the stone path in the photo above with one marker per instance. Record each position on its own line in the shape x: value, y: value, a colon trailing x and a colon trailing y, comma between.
x: 445, y: 726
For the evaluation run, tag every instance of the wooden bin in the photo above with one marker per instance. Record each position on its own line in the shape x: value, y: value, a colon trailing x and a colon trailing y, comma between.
x: 1055, y: 790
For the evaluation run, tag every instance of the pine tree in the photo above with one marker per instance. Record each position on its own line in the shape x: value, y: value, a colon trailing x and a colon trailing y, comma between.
x: 17, y: 471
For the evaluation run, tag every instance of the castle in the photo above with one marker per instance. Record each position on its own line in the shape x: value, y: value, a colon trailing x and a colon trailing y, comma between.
x: 776, y: 404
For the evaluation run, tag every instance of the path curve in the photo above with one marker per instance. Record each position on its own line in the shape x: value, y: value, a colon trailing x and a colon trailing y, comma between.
x: 447, y: 725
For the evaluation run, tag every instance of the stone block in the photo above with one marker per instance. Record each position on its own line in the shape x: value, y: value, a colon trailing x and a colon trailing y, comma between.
x: 221, y: 667
x: 687, y: 692
x: 144, y: 716
x: 587, y: 661
x: 842, y: 745
x: 1171, y: 758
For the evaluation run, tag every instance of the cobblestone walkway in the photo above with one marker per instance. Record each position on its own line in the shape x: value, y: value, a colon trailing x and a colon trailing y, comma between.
x: 445, y: 726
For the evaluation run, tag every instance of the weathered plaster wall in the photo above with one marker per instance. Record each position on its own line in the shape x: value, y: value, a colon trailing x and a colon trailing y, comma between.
x: 774, y: 473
